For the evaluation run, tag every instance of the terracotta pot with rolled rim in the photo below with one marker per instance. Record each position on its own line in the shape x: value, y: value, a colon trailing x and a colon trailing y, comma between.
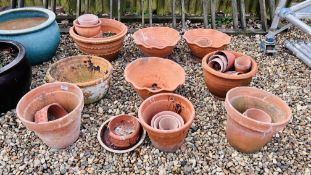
x: 156, y: 41
x: 153, y: 75
x: 61, y: 132
x: 50, y: 112
x: 219, y: 83
x: 242, y: 64
x: 245, y: 133
x: 166, y: 140
x: 107, y: 47
x: 204, y: 41
x: 87, y: 30
x: 155, y: 122
x: 124, y: 131
x: 88, y: 19
x: 76, y: 69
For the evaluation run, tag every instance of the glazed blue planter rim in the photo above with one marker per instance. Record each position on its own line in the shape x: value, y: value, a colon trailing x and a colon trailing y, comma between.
x: 51, y: 18
x: 21, y: 54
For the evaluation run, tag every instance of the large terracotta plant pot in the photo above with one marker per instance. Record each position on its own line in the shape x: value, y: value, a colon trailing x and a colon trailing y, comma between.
x: 166, y: 140
x: 249, y: 133
x: 204, y: 41
x: 61, y: 132
x: 219, y: 83
x: 92, y: 74
x: 40, y: 41
x: 15, y: 77
x: 107, y: 47
x: 156, y: 41
x: 153, y: 75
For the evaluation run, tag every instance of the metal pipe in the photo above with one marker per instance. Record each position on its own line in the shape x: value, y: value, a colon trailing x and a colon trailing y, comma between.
x: 143, y: 12
x: 306, y: 48
x: 150, y: 12
x: 110, y: 4
x: 301, y: 48
x: 174, y: 13
x: 300, y: 5
x: 276, y: 19
x: 298, y: 23
x: 300, y: 55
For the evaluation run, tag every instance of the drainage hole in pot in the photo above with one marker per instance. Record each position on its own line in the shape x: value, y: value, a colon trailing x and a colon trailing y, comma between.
x: 7, y: 55
x: 154, y: 86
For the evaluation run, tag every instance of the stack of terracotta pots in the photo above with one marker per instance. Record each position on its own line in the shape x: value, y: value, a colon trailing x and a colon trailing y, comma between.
x: 87, y: 25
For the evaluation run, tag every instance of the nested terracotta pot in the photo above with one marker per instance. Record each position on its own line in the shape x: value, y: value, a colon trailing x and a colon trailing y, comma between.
x: 204, y: 41
x: 88, y: 19
x: 85, y: 30
x: 219, y: 83
x: 156, y: 41
x: 153, y: 75
x: 166, y: 140
x: 91, y: 73
x: 50, y: 112
x: 61, y: 132
x: 249, y: 133
x: 107, y: 47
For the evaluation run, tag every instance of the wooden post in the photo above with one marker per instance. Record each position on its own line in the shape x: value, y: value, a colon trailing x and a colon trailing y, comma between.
x: 86, y: 6
x: 45, y: 4
x: 174, y: 12
x: 13, y: 4
x: 143, y: 12
x: 53, y: 5
x: 150, y: 12
x: 242, y: 14
x: 204, y: 3
x: 21, y: 3
x: 235, y: 14
x: 110, y: 15
x: 78, y: 10
x: 183, y: 13
x: 213, y: 15
x: 263, y: 15
x: 119, y: 10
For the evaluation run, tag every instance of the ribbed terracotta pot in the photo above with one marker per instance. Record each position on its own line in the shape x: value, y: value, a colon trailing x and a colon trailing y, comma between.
x: 156, y: 41
x: 107, y: 47
x: 61, y: 132
x: 246, y: 133
x: 153, y: 75
x: 219, y: 83
x: 166, y: 140
x: 204, y: 41
x: 91, y: 73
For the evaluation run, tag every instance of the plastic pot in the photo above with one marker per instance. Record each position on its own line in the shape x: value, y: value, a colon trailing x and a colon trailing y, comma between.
x: 88, y: 19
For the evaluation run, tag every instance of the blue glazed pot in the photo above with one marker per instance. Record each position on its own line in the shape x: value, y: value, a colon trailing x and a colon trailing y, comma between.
x: 40, y: 41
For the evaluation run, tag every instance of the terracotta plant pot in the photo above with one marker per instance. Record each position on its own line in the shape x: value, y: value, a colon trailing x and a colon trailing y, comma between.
x: 153, y: 75
x: 50, y: 112
x: 250, y: 134
x: 92, y: 74
x: 61, y: 132
x: 166, y: 140
x: 227, y: 58
x: 156, y: 41
x: 124, y: 131
x: 204, y: 41
x: 219, y: 83
x: 243, y: 64
x: 88, y: 19
x: 156, y: 120
x: 87, y: 30
x: 258, y: 115
x: 107, y: 47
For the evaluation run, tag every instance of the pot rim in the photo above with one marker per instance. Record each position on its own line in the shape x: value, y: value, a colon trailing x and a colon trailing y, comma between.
x: 50, y: 78
x: 62, y: 119
x: 249, y: 74
x: 142, y: 138
x: 139, y: 43
x: 76, y: 23
x: 49, y: 21
x: 189, y: 41
x: 136, y: 86
x: 151, y: 98
x: 20, y: 55
x: 268, y: 94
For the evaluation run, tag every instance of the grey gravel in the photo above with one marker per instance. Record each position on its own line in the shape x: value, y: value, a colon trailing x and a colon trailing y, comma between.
x: 206, y: 150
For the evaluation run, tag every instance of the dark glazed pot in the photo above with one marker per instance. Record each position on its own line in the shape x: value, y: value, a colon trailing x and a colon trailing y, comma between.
x: 15, y: 77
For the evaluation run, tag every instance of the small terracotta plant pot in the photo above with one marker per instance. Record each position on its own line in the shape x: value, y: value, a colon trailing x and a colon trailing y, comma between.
x: 166, y: 140
x: 50, y: 112
x: 153, y: 75
x: 156, y: 41
x: 87, y: 30
x: 91, y: 73
x: 226, y: 57
x: 155, y: 122
x: 243, y: 64
x: 219, y: 83
x: 204, y: 41
x: 107, y: 47
x: 61, y: 132
x: 218, y: 63
x: 88, y: 19
x: 124, y: 131
x: 258, y: 115
x: 250, y: 134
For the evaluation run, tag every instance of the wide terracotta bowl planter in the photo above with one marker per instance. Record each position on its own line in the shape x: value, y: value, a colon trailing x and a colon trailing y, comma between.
x: 15, y: 77
x: 87, y: 30
x: 91, y: 73
x: 61, y: 132
x: 248, y: 133
x: 219, y: 83
x: 153, y: 75
x: 166, y: 140
x: 107, y: 47
x: 204, y: 41
x: 156, y: 41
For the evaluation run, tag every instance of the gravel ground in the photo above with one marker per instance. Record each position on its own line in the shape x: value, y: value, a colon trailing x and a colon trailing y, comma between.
x: 206, y: 150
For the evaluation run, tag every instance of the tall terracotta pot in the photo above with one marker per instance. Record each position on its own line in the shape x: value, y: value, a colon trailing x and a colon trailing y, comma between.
x: 247, y: 134
x: 166, y: 140
x: 61, y: 132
